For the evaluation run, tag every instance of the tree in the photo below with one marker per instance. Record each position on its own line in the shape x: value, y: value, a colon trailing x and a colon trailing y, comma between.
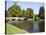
x: 30, y: 12
x: 14, y: 10
x: 41, y: 12
x: 23, y: 11
x: 20, y: 14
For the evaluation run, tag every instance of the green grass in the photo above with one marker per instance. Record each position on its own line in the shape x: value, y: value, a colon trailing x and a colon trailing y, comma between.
x: 13, y: 29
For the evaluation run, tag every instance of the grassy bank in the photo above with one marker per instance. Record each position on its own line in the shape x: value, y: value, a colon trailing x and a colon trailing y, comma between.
x: 10, y: 29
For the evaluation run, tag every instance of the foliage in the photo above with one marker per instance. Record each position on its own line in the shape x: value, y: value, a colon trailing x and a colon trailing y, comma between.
x: 41, y: 11
x: 30, y: 12
x: 15, y: 11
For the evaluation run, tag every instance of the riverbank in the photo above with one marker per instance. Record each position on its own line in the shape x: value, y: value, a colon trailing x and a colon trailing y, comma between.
x: 11, y: 29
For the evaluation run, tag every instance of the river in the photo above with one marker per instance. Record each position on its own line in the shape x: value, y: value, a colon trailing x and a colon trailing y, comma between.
x: 36, y: 26
x: 29, y: 26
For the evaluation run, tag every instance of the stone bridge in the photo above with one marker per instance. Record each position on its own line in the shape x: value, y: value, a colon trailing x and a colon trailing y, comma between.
x: 17, y: 18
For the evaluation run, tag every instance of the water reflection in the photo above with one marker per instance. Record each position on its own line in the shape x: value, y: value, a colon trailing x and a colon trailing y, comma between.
x: 35, y: 26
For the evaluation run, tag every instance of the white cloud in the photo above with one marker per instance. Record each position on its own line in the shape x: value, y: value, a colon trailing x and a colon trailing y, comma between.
x: 36, y: 12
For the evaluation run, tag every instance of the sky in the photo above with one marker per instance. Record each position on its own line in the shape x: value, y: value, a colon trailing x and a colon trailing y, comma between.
x: 24, y: 5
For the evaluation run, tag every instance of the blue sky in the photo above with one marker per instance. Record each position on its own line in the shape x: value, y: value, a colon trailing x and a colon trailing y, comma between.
x: 35, y: 6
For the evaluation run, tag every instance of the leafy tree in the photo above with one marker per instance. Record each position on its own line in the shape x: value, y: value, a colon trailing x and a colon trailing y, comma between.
x: 30, y: 12
x: 23, y: 11
x: 14, y: 10
x: 20, y: 14
x: 41, y: 12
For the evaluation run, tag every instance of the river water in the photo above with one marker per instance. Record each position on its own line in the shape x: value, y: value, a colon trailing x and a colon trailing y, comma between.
x: 36, y: 26
x: 29, y: 26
